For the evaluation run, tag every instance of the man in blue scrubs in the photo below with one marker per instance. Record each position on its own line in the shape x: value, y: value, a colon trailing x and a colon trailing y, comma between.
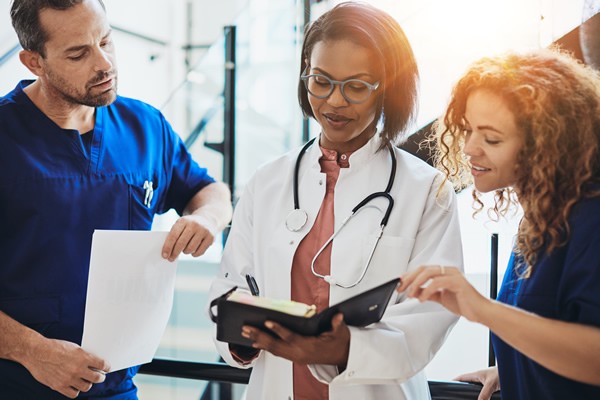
x: 76, y: 157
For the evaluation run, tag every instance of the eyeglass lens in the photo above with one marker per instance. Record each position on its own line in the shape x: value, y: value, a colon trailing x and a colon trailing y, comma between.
x: 353, y: 90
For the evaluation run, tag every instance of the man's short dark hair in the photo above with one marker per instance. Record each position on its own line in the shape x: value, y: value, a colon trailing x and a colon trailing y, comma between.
x: 25, y: 17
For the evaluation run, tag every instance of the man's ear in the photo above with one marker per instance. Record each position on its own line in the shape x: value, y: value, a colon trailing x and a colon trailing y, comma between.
x: 33, y: 61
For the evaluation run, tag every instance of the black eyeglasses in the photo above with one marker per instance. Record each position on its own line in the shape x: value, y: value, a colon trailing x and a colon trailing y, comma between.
x: 355, y: 91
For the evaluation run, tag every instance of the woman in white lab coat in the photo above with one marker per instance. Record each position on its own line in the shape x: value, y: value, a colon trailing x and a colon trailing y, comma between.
x: 357, y: 72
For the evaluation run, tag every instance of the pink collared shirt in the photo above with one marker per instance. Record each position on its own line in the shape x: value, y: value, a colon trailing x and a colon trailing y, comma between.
x: 306, y: 287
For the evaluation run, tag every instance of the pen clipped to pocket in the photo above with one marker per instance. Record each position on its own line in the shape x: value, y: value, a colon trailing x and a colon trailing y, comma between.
x: 252, y: 285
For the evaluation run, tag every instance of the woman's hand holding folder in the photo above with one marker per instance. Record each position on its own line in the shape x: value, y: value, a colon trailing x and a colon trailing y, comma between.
x: 331, y: 347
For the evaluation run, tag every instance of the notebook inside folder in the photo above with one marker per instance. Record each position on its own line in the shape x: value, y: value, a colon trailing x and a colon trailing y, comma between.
x: 237, y: 308
x: 285, y: 306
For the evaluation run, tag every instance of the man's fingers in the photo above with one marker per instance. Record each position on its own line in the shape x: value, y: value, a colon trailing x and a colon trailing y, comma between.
x: 83, y: 386
x: 94, y: 376
x: 188, y: 237
x: 69, y: 392
x: 190, y: 243
x: 204, y: 245
x: 84, y: 382
x: 171, y: 239
x: 181, y: 243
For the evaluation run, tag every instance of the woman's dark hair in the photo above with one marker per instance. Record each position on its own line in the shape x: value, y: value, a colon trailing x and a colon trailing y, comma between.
x: 25, y: 16
x: 375, y: 30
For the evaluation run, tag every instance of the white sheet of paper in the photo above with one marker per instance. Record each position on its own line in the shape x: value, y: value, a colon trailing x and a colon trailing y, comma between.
x: 129, y: 296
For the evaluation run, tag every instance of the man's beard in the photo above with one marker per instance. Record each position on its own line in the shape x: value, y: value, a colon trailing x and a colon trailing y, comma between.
x: 71, y: 95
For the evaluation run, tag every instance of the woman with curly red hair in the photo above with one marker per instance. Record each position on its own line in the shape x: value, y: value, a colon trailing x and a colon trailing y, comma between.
x: 527, y: 126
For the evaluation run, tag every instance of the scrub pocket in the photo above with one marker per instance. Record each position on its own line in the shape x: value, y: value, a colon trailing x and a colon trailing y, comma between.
x: 143, y: 198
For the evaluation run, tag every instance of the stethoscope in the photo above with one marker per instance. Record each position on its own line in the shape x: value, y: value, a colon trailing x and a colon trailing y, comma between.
x: 298, y: 217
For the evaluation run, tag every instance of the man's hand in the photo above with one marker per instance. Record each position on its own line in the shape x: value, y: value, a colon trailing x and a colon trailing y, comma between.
x: 65, y: 367
x: 331, y: 347
x: 191, y: 234
x: 205, y: 215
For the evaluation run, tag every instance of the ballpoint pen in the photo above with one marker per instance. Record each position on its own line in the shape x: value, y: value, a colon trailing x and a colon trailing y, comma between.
x: 252, y: 285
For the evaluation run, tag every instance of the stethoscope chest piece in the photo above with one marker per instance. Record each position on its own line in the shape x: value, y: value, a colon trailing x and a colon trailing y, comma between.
x: 296, y: 220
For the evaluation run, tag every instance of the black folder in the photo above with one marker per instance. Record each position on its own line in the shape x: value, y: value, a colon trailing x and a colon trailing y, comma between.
x: 360, y: 310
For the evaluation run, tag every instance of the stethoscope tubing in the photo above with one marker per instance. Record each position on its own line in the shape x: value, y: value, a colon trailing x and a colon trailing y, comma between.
x: 297, y: 172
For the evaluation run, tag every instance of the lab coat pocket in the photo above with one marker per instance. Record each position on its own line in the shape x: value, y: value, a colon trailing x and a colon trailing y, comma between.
x: 391, y: 256
x: 143, y: 198
x: 38, y: 313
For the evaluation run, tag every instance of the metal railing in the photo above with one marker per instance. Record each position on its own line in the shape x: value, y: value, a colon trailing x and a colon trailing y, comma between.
x: 223, y: 373
x: 214, y: 372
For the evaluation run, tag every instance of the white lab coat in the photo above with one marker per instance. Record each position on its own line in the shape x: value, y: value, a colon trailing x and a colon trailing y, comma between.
x: 386, y: 359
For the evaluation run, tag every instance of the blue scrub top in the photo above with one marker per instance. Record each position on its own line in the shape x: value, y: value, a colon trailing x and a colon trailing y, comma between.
x: 565, y: 286
x: 54, y: 193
